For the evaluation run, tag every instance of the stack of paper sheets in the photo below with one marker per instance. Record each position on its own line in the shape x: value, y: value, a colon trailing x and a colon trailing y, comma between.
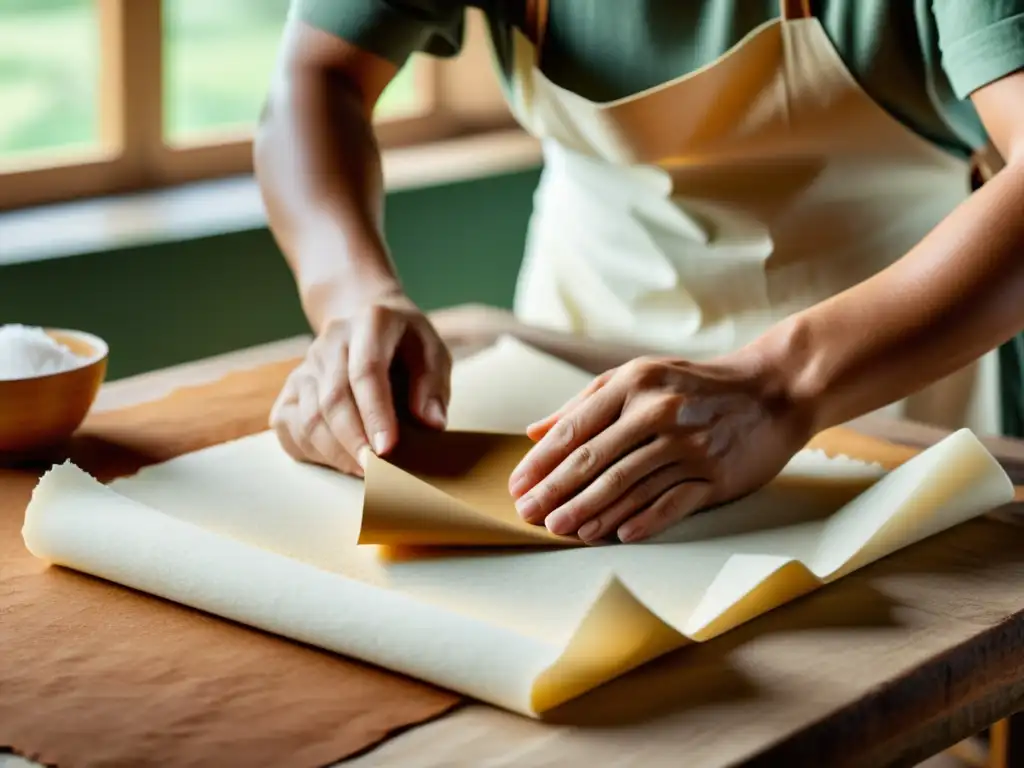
x: 243, y: 532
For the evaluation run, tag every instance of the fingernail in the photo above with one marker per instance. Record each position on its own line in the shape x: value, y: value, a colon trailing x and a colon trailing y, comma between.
x: 363, y: 456
x: 560, y: 524
x: 528, y: 509
x: 380, y: 442
x: 434, y: 413
x: 589, y: 529
x: 628, y: 533
x: 517, y: 484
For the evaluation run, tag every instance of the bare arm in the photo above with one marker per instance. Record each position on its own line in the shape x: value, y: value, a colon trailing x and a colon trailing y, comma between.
x: 958, y: 294
x: 319, y: 169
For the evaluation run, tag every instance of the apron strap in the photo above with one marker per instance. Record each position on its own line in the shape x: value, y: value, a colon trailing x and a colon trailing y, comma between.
x: 536, y: 22
x: 795, y: 9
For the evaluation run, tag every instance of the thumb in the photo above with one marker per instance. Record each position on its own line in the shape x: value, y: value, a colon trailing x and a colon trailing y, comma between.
x: 429, y: 365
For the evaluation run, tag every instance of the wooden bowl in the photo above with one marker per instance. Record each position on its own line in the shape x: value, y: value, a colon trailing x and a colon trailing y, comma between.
x: 39, y: 414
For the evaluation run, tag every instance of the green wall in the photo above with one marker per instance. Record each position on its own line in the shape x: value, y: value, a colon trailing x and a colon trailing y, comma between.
x: 168, y: 303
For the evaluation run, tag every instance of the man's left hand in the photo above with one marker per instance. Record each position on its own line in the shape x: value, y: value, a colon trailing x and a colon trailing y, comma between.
x: 650, y: 442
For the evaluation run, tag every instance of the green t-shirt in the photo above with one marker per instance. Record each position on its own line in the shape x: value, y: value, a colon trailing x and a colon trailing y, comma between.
x: 919, y: 59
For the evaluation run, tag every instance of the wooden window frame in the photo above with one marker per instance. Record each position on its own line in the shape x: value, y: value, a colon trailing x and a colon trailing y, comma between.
x: 460, y: 96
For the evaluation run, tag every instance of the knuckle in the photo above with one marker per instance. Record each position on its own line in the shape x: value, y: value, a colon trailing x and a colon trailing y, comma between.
x: 292, y: 384
x: 613, y: 482
x: 644, y: 371
x: 547, y: 493
x: 341, y: 424
x: 338, y: 392
x: 564, y: 433
x: 308, y: 424
x: 668, y: 513
x: 306, y: 419
x: 662, y: 409
x: 584, y: 458
x: 370, y: 368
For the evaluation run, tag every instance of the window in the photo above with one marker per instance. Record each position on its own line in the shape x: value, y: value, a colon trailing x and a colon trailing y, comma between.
x: 217, y: 61
x: 107, y: 96
x: 49, y: 73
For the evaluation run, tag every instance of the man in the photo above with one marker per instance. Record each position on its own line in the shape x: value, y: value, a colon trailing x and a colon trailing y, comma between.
x: 754, y: 222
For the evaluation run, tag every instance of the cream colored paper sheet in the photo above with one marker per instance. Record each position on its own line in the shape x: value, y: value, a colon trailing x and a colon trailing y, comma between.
x: 242, y: 532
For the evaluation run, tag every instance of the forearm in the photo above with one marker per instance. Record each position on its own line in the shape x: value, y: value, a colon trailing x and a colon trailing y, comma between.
x: 958, y: 294
x: 319, y: 172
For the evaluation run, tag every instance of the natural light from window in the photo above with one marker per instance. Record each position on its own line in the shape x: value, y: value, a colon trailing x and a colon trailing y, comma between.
x: 217, y: 60
x: 101, y: 97
x: 49, y: 75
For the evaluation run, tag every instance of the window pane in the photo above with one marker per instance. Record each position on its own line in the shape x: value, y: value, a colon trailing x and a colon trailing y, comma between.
x: 49, y: 75
x: 218, y: 57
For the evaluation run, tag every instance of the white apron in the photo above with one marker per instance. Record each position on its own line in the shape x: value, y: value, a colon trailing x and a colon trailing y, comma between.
x: 691, y: 217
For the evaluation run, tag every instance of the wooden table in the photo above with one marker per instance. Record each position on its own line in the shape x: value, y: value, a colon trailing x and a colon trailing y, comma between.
x: 889, y: 666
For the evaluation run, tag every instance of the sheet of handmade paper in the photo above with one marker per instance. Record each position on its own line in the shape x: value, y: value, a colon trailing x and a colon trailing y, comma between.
x: 251, y: 491
x: 242, y: 531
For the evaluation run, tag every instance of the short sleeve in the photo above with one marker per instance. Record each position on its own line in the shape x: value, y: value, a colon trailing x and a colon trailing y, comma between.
x: 392, y: 29
x: 981, y: 41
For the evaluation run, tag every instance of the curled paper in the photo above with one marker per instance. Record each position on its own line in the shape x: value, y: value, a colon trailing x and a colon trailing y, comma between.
x: 241, y: 531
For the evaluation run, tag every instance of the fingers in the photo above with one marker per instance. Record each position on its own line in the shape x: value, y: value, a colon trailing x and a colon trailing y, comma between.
x: 625, y: 487
x: 339, y: 410
x: 573, y: 430
x: 302, y: 430
x: 672, y: 506
x: 594, y: 470
x: 637, y: 498
x: 538, y: 429
x: 430, y: 366
x: 313, y: 436
x: 340, y: 402
x: 281, y: 424
x: 369, y: 365
x: 291, y: 433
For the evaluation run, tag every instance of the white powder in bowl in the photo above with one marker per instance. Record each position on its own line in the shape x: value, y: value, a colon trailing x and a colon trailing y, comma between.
x: 27, y: 352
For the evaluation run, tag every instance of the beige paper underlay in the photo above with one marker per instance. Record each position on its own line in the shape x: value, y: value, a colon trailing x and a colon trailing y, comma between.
x: 449, y: 489
x: 242, y: 532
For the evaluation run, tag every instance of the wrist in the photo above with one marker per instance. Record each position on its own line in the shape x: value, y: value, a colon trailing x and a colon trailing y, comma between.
x: 340, y: 291
x: 792, y: 374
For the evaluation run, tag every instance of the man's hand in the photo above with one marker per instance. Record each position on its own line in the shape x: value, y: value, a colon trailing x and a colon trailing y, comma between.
x: 653, y: 441
x: 339, y: 402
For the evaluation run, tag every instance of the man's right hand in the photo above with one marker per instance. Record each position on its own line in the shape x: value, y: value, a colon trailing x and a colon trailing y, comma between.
x: 339, y: 402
